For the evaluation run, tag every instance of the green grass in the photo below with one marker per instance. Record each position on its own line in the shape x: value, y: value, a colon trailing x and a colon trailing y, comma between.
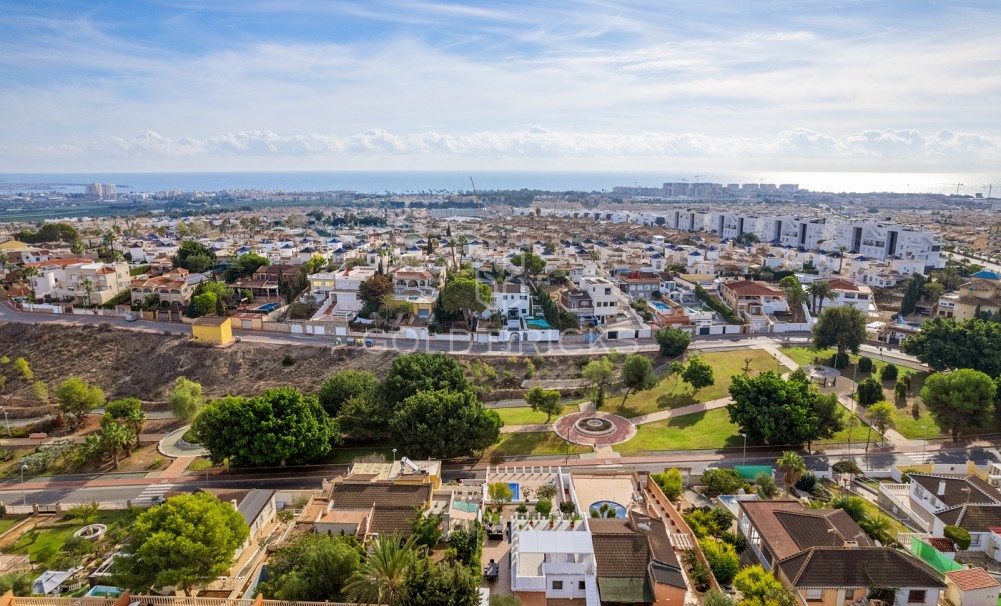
x: 533, y: 443
x: 346, y: 456
x: 672, y: 392
x: 7, y: 523
x: 200, y: 465
x: 910, y: 428
x: 871, y: 510
x: 701, y: 430
x: 45, y: 542
x: 522, y: 415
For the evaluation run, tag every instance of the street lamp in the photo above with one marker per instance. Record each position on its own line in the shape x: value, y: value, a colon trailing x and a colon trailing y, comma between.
x: 24, y: 500
x: 744, y: 459
x: 924, y: 445
x: 394, y: 455
x: 7, y: 421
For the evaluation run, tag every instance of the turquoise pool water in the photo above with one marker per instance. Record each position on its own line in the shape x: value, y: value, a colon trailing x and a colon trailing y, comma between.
x: 103, y: 591
x: 620, y: 511
x: 467, y: 506
x: 515, y: 491
x: 659, y: 306
x: 537, y: 323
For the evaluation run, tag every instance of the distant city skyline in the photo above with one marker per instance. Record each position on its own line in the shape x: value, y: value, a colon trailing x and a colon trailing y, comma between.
x: 723, y: 87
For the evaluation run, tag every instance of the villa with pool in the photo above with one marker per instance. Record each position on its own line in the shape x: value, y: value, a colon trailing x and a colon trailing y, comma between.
x: 611, y: 538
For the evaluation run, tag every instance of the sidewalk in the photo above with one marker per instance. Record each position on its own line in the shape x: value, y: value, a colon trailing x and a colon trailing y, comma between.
x: 172, y: 446
x: 680, y: 412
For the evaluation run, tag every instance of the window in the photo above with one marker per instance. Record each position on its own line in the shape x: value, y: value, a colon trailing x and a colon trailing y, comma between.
x: 916, y: 596
x: 580, y: 585
x: 557, y: 584
x: 814, y: 594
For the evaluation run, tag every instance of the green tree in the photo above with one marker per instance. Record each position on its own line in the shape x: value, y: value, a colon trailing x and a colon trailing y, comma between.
x: 343, y: 386
x: 278, y: 427
x: 818, y: 291
x: 372, y: 291
x: 186, y: 398
x: 312, y: 568
x: 889, y: 373
x: 531, y: 264
x: 960, y: 401
x: 204, y: 304
x: 188, y: 541
x: 466, y: 296
x: 795, y: 294
x: 443, y: 425
x: 698, y: 373
x: 775, y: 411
x: 416, y: 372
x: 363, y: 418
x: 840, y: 327
x: 958, y: 535
x: 245, y: 266
x: 792, y: 466
x: 759, y: 588
x: 382, y: 577
x: 880, y: 415
x: 116, y: 438
x: 545, y: 400
x: 877, y: 527
x: 869, y: 391
x: 500, y: 492
x: 715, y: 597
x: 946, y: 344
x: 637, y: 375
x: 426, y: 528
x: 128, y: 411
x: 599, y: 373
x: 76, y: 397
x: 721, y: 481
x: 853, y: 506
x: 194, y: 257
x: 722, y: 558
x: 441, y: 584
x: 673, y: 341
x: 670, y: 483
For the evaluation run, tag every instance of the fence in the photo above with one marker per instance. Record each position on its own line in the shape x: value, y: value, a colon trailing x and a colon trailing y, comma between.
x: 157, y: 600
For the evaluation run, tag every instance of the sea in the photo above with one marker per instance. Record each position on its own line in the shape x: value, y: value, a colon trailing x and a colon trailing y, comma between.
x: 412, y: 182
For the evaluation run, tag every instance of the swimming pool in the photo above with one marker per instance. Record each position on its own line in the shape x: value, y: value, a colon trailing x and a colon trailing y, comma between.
x: 515, y: 491
x: 103, y: 591
x: 659, y: 306
x: 730, y: 500
x: 620, y: 511
x: 537, y: 323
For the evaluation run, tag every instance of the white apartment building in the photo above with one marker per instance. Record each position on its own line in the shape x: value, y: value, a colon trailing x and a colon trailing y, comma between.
x: 605, y: 296
x: 341, y: 284
x: 511, y: 301
x: 81, y: 281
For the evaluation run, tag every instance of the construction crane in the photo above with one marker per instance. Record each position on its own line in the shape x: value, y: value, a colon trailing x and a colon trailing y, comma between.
x: 476, y: 197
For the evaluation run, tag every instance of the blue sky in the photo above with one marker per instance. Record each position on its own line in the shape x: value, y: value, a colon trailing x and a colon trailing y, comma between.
x: 861, y: 85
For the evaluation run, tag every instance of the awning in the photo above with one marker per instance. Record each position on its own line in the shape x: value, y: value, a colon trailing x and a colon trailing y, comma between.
x: 624, y: 590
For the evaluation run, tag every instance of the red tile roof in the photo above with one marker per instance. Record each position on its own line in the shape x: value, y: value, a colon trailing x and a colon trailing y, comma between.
x: 973, y: 578
x: 752, y: 288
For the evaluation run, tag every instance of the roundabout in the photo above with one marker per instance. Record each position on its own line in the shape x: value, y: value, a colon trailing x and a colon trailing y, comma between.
x: 594, y: 428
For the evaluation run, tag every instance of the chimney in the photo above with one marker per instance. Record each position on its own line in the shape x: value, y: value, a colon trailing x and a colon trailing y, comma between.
x: 941, y: 487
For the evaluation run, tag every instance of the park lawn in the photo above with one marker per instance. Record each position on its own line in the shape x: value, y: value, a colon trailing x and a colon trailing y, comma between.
x: 804, y: 356
x: 672, y: 392
x: 697, y: 431
x: 910, y: 428
x: 46, y: 541
x: 521, y: 415
x: 531, y: 443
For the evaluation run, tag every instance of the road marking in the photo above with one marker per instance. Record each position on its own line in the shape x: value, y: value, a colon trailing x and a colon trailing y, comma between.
x: 154, y: 492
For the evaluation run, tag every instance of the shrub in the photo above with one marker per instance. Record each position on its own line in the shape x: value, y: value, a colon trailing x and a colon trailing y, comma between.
x: 721, y: 481
x: 958, y: 535
x: 766, y: 485
x: 288, y: 360
x: 83, y: 512
x: 670, y: 483
x: 723, y: 560
x: 807, y: 482
x: 899, y: 390
x: 865, y: 364
x: 505, y: 600
x: 736, y: 539
x: 889, y: 373
x: 529, y: 369
x: 22, y: 367
x: 869, y: 392
x: 853, y: 506
x: 698, y: 573
x: 522, y: 508
x: 543, y: 507
x: 567, y: 508
x: 839, y: 360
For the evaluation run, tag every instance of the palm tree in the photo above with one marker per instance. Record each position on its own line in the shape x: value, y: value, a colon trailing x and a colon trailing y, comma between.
x: 820, y: 290
x: 88, y: 287
x: 381, y: 579
x: 841, y: 262
x: 792, y: 467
